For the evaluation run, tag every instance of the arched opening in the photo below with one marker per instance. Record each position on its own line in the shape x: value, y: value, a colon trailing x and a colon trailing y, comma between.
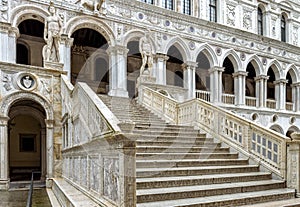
x: 174, y: 67
x: 277, y: 128
x: 291, y: 130
x: 134, y: 62
x: 89, y: 60
x: 27, y: 141
x: 227, y: 79
x: 250, y: 85
x: 202, y: 74
x: 289, y: 92
x: 31, y: 34
x: 271, y: 103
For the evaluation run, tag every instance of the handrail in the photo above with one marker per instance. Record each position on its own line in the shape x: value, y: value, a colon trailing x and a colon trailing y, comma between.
x: 29, y: 198
x: 264, y: 145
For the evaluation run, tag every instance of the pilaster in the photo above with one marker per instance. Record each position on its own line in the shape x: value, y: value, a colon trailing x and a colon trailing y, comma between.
x: 4, y: 180
x: 216, y: 83
x: 118, y: 71
x: 8, y: 42
x: 65, y: 53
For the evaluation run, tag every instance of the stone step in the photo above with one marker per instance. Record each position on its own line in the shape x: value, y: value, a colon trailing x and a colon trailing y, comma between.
x: 175, y: 138
x: 164, y: 126
x: 183, y: 134
x: 177, y: 143
x: 173, y: 193
x: 172, y: 156
x: 161, y: 182
x: 227, y: 200
x: 189, y: 162
x: 157, y: 149
x: 191, y: 170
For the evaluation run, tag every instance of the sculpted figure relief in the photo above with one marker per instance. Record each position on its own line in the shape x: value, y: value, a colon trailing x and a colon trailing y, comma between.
x: 52, y: 34
x: 146, y: 51
x: 94, y: 5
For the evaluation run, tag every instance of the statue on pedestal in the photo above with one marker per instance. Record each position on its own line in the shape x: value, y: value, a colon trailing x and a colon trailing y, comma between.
x: 146, y: 51
x: 52, y: 34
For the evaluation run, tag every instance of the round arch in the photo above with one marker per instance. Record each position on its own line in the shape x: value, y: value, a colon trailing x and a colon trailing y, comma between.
x: 181, y: 46
x: 24, y: 12
x: 277, y: 128
x: 79, y: 22
x: 135, y: 35
x: 234, y: 58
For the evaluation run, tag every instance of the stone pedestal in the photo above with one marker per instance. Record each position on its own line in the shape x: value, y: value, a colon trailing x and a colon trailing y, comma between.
x: 145, y: 79
x: 293, y: 163
x: 53, y: 65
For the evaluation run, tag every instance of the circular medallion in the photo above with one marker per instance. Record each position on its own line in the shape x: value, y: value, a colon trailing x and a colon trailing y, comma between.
x: 219, y: 51
x: 26, y: 81
x: 167, y: 23
x: 243, y: 56
x: 192, y: 45
x: 192, y: 29
x: 165, y: 37
x: 213, y: 34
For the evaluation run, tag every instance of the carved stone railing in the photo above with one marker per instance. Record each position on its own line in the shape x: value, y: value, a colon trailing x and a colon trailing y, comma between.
x: 203, y: 95
x: 271, y: 104
x: 250, y: 101
x: 99, y: 159
x: 263, y: 145
x: 228, y: 98
x: 289, y: 106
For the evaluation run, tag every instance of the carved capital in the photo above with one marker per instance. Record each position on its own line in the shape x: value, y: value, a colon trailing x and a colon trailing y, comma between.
x: 261, y: 77
x: 239, y: 73
x: 66, y: 40
x: 216, y: 68
x: 160, y: 56
x: 4, y: 120
x: 281, y: 81
x: 117, y: 50
x: 49, y: 123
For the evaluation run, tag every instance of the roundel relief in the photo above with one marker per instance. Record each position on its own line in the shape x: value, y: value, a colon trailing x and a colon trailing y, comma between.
x: 27, y: 81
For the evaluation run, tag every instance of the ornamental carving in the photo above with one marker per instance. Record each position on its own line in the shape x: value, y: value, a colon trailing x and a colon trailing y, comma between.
x: 3, y: 9
x: 7, y: 79
x: 231, y: 15
x: 295, y: 35
x: 247, y: 23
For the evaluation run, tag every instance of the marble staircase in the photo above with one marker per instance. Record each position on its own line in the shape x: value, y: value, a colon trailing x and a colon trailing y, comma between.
x: 179, y: 166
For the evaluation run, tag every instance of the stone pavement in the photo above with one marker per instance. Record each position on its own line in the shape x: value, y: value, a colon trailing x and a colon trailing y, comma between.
x: 18, y: 198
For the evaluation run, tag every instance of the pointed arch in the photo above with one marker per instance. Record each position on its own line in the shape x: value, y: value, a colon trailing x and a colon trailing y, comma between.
x: 234, y: 58
x: 256, y: 62
x: 209, y: 53
x: 276, y: 67
x: 292, y: 69
x: 23, y: 12
x: 181, y: 46
x: 93, y: 23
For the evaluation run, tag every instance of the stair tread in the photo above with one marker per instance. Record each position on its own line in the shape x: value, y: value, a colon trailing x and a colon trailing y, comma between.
x: 191, y: 160
x: 161, y: 179
x: 215, y: 199
x: 179, y: 189
x: 184, y: 153
x: 193, y: 168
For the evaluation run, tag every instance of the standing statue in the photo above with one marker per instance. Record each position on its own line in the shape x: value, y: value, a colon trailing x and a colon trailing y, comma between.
x: 52, y: 34
x: 146, y: 51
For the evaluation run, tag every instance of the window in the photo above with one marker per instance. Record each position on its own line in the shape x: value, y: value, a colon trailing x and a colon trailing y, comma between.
x: 187, y: 7
x: 147, y: 1
x: 168, y: 4
x: 27, y: 143
x: 283, y: 29
x: 260, y: 30
x: 213, y: 10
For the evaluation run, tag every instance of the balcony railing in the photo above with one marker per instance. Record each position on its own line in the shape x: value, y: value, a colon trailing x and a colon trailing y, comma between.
x: 271, y: 104
x: 251, y: 101
x: 228, y: 98
x: 203, y: 95
x: 289, y: 106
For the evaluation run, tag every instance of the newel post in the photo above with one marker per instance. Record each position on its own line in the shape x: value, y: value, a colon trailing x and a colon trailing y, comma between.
x: 293, y: 163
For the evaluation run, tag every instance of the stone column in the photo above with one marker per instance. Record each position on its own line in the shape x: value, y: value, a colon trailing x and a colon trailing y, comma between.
x: 160, y: 71
x: 293, y: 163
x: 296, y: 96
x: 4, y: 180
x: 261, y: 90
x: 118, y: 71
x: 43, y: 154
x: 65, y: 53
x: 280, y: 93
x: 216, y: 84
x: 8, y: 39
x: 49, y: 147
x: 240, y: 87
x: 189, y: 80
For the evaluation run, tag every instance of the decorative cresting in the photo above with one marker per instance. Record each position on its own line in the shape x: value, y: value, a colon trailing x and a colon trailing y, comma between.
x: 94, y: 144
x: 261, y: 144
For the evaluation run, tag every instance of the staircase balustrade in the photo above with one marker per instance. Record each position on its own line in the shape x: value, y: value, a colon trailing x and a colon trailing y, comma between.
x: 264, y: 145
x: 98, y: 147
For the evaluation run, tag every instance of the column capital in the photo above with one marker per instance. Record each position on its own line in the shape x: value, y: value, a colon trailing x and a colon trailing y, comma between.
x: 284, y: 81
x: 165, y: 57
x: 295, y: 84
x: 7, y: 28
x: 216, y: 68
x: 49, y: 123
x: 261, y: 77
x: 66, y: 40
x: 4, y: 120
x: 117, y: 49
x: 191, y: 64
x: 240, y: 73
